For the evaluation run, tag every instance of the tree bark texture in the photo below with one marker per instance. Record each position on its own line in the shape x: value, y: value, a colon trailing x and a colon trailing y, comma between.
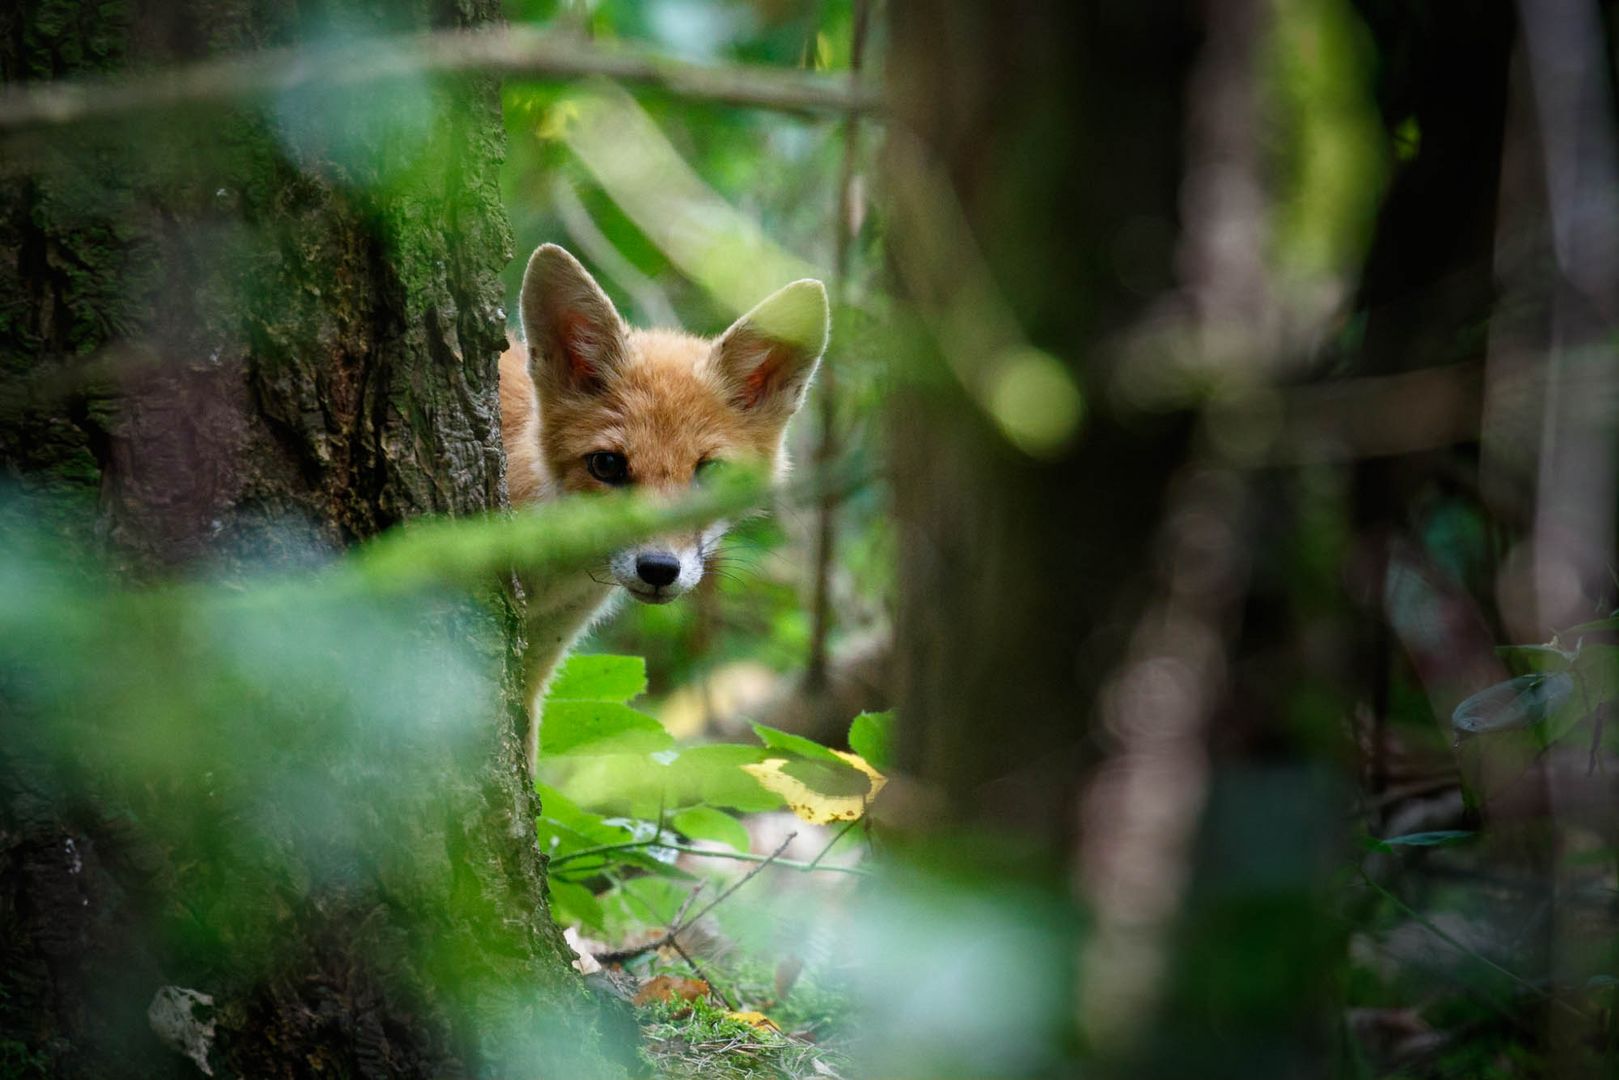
x: 233, y: 336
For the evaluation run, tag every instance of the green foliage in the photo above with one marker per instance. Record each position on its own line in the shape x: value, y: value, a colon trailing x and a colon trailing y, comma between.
x: 703, y: 1041
x: 600, y: 678
x: 709, y: 823
x: 599, y: 727
x: 871, y: 735
x: 1562, y: 690
x: 796, y: 744
x: 1327, y: 146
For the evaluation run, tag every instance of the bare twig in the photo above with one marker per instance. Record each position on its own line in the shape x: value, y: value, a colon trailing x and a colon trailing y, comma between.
x: 708, y: 853
x: 514, y: 52
x: 830, y: 844
x: 713, y: 987
x: 620, y: 955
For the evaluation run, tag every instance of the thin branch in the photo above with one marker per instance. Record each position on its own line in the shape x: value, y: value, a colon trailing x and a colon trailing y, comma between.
x: 668, y: 937
x: 514, y: 52
x: 708, y: 853
x: 713, y: 987
x: 830, y: 844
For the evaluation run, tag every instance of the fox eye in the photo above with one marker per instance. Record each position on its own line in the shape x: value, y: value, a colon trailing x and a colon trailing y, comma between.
x: 608, y: 467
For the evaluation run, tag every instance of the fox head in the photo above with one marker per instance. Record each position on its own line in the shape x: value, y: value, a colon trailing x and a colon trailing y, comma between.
x: 654, y: 410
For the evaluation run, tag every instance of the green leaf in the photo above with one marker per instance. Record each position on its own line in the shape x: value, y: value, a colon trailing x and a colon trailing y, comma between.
x: 796, y: 744
x: 641, y: 904
x: 573, y: 903
x: 871, y: 735
x: 599, y: 727
x: 599, y: 678
x: 714, y: 773
x: 563, y: 828
x: 1437, y: 838
x: 707, y: 823
x: 837, y: 780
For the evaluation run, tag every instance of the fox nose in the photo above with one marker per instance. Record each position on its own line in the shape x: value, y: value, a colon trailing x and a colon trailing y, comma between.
x: 657, y: 569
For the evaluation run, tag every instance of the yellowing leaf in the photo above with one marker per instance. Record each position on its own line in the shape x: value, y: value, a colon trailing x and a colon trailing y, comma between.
x: 558, y: 120
x: 817, y: 807
x: 756, y: 1019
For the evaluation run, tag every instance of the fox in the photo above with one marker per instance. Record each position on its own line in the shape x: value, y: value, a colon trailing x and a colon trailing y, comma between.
x: 589, y: 404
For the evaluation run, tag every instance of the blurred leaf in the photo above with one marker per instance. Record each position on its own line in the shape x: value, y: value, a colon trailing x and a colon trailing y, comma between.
x: 573, y: 903
x: 718, y: 774
x: 670, y: 988
x: 634, y: 905
x: 563, y: 828
x: 1437, y: 838
x: 599, y: 727
x: 794, y: 744
x: 1529, y: 659
x: 1516, y: 703
x: 871, y: 735
x: 1596, y: 626
x: 707, y: 823
x: 599, y: 678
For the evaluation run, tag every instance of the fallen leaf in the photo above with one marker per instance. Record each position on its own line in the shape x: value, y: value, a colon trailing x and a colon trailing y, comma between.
x: 817, y: 807
x: 670, y: 988
x: 755, y: 1019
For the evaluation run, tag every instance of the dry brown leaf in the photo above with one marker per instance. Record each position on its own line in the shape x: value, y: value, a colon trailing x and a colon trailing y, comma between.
x: 670, y: 988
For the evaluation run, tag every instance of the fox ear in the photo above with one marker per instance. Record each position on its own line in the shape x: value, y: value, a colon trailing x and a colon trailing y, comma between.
x: 768, y: 356
x: 575, y: 335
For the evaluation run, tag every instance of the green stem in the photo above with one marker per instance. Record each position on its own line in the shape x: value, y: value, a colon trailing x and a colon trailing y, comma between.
x: 739, y: 856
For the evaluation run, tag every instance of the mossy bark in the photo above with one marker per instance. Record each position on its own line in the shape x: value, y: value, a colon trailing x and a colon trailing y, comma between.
x: 253, y: 333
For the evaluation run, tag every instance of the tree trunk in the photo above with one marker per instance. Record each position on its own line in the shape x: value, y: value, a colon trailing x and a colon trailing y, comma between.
x: 1066, y: 615
x: 1023, y: 572
x: 291, y: 835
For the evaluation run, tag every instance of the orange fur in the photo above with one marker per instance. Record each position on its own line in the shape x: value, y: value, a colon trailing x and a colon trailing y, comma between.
x: 665, y: 400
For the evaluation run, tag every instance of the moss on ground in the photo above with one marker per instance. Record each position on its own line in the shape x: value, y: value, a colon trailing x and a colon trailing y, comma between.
x: 699, y: 1039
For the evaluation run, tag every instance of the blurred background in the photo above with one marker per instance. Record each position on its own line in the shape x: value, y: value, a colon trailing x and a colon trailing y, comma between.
x: 1186, y: 647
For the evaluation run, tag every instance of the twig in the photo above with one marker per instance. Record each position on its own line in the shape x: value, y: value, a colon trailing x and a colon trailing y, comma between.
x: 515, y: 52
x: 620, y: 955
x: 709, y: 853
x: 830, y: 844
x: 713, y: 986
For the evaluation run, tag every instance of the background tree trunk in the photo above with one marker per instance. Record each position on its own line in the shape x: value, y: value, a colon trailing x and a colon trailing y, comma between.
x: 256, y: 334
x: 1067, y: 618
x: 1057, y: 125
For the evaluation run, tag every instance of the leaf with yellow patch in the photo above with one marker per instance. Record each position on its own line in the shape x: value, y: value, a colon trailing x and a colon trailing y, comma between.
x: 816, y: 806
